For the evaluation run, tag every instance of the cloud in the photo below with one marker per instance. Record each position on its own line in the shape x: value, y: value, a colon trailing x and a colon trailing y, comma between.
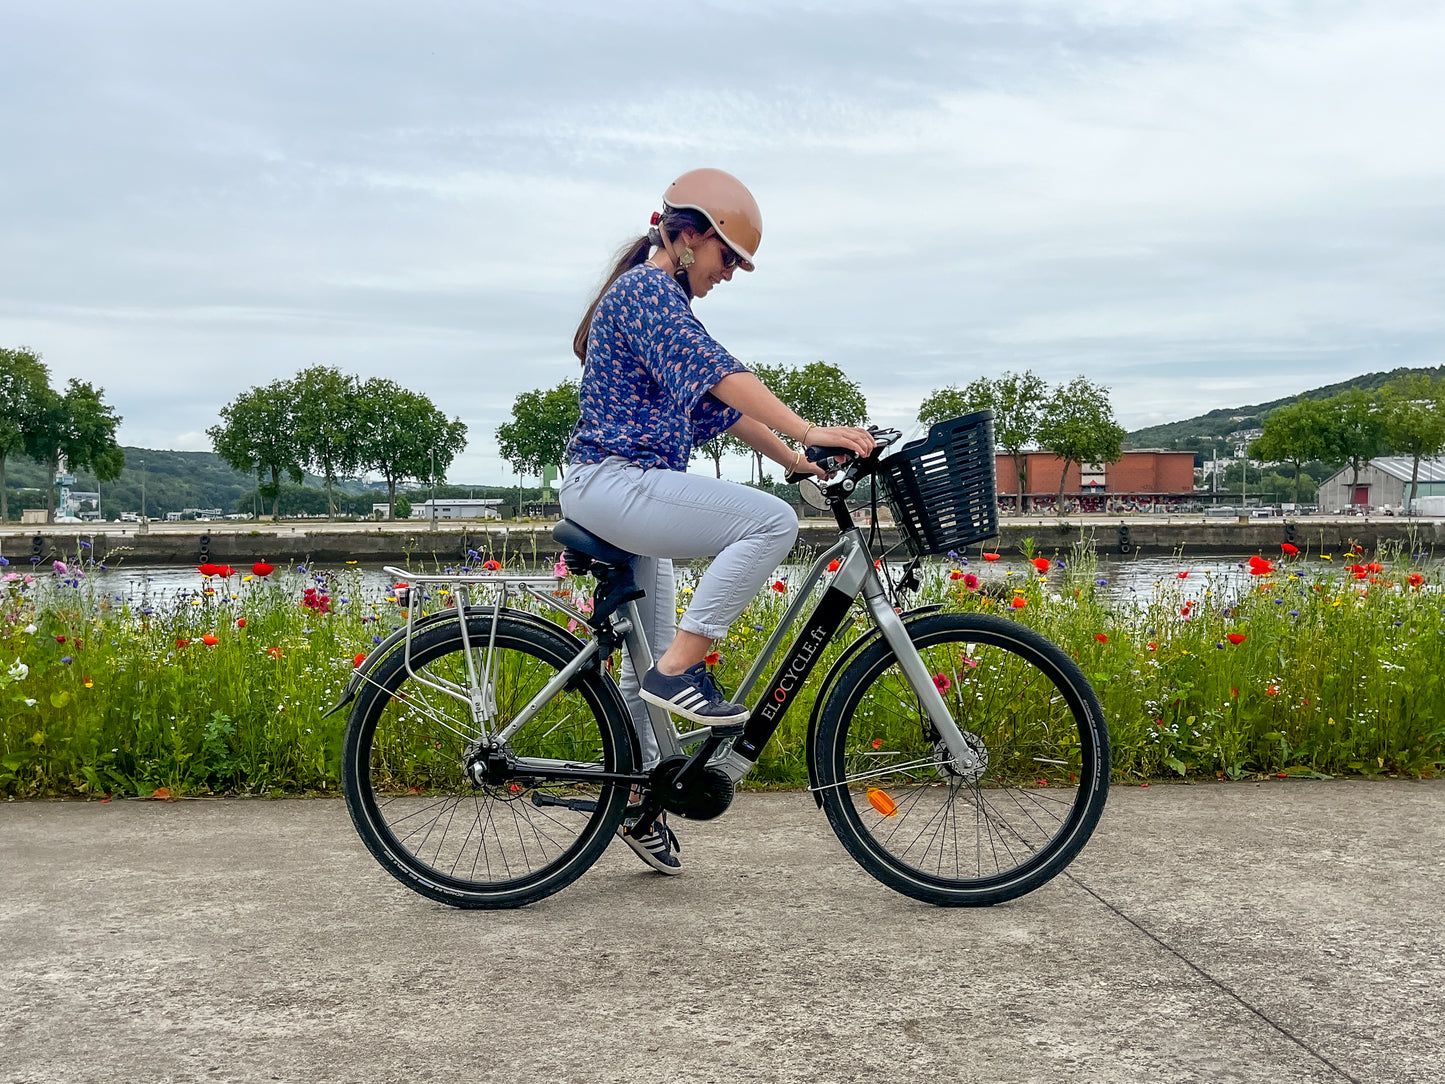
x: 1195, y: 204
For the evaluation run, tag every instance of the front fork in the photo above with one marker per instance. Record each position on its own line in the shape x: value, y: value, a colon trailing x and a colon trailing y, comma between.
x: 895, y: 632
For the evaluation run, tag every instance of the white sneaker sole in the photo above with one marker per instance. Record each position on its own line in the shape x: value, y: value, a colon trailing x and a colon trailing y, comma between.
x: 692, y: 716
x: 647, y: 856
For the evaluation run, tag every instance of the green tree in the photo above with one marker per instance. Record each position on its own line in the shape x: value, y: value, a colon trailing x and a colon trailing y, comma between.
x: 324, y: 414
x: 1295, y: 433
x: 24, y: 386
x: 1414, y: 419
x: 76, y: 428
x: 1354, y: 426
x: 542, y: 424
x: 1078, y: 426
x: 1017, y: 401
x: 820, y: 392
x: 257, y: 435
x: 403, y: 435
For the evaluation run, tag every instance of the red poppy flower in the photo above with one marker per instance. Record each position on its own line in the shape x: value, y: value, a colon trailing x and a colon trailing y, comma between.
x: 261, y: 568
x: 182, y: 643
x: 1273, y: 690
x: 209, y: 640
x: 60, y: 639
x: 1360, y: 575
x: 1153, y: 648
x: 240, y: 622
x: 956, y: 574
x: 712, y: 658
x: 1258, y: 566
x: 225, y: 571
x: 1184, y: 575
x: 1041, y: 563
x: 779, y: 585
x: 1019, y: 602
x: 274, y: 652
x: 208, y: 569
x: 1373, y: 567
x: 1236, y: 637
x: 877, y: 743
x: 492, y: 566
x: 1184, y: 610
x: 835, y: 564
x: 1415, y: 579
x: 990, y: 557
x: 1101, y: 638
x: 1289, y: 548
x: 358, y: 659
x: 1233, y: 692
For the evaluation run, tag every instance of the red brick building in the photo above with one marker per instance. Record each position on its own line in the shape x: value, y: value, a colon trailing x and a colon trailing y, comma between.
x: 1140, y: 479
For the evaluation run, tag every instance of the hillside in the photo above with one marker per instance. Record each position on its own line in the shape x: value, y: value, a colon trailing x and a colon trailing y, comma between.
x: 1196, y: 434
x: 179, y: 480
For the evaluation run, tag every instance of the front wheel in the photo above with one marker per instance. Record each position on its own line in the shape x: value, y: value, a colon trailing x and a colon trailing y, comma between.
x: 948, y: 833
x: 485, y: 839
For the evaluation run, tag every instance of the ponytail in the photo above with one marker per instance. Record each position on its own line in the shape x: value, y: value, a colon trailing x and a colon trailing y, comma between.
x: 673, y: 221
x: 628, y: 257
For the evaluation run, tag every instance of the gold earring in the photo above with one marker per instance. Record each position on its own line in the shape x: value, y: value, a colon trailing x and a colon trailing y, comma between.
x: 685, y: 258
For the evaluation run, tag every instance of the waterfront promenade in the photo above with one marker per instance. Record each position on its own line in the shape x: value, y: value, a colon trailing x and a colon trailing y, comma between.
x: 1276, y: 932
x: 450, y: 541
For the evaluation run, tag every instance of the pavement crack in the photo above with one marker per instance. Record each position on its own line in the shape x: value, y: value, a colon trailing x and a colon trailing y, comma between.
x: 1222, y: 987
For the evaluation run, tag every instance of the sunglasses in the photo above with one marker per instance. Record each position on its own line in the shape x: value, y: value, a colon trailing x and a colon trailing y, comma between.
x: 730, y: 258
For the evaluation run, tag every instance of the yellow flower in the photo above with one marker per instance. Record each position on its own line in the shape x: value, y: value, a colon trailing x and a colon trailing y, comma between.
x: 1326, y: 557
x: 247, y: 578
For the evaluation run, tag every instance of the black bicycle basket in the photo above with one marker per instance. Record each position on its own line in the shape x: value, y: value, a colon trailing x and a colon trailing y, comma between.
x: 943, y: 489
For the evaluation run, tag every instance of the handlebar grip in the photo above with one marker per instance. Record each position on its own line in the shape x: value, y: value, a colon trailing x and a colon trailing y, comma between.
x: 830, y: 459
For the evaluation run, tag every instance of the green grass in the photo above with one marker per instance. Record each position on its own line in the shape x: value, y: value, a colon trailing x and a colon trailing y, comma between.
x: 1334, y: 674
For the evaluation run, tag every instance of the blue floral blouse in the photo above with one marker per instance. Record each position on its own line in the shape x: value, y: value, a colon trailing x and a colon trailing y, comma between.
x: 645, y: 383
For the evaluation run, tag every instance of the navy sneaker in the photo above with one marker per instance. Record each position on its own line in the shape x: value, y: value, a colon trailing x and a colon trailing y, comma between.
x: 657, y: 847
x: 693, y: 694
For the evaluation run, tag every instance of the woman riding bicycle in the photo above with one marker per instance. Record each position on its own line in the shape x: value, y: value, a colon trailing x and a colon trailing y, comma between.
x: 655, y: 385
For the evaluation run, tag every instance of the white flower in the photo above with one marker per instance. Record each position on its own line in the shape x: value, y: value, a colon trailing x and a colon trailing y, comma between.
x: 18, y: 671
x: 29, y: 702
x: 31, y: 630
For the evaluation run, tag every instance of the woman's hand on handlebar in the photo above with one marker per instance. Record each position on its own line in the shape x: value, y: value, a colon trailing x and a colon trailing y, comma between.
x: 858, y: 441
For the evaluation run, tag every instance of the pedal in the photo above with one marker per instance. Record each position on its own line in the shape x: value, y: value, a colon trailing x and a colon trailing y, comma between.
x: 728, y: 730
x: 577, y: 805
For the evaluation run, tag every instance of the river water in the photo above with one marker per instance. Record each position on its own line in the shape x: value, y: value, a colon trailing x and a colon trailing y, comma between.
x: 1122, y: 580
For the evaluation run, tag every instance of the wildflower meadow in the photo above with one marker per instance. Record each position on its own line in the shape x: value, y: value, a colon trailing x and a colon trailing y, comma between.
x: 1291, y: 665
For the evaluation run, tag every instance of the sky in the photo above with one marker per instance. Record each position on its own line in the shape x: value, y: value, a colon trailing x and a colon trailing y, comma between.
x: 1198, y: 205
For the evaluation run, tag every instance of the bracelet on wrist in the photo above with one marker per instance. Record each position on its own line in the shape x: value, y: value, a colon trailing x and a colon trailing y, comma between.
x: 804, y: 438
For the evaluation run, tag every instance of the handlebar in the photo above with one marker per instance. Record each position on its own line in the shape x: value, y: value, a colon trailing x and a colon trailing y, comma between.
x: 833, y: 460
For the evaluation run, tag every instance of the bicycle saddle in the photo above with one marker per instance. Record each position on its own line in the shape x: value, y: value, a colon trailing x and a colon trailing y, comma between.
x: 573, y: 536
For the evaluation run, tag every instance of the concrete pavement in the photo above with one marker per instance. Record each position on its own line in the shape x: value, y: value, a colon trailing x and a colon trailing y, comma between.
x: 1280, y: 931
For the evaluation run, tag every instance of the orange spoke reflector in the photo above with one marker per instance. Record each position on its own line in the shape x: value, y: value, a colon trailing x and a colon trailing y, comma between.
x: 881, y: 802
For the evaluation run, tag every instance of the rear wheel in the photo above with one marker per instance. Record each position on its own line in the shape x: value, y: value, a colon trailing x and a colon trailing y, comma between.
x: 955, y: 834
x: 502, y: 837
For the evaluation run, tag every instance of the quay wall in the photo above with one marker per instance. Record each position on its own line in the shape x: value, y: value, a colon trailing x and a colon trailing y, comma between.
x: 372, y: 544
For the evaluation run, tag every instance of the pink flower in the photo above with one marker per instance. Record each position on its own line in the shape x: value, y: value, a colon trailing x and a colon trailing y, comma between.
x: 970, y: 581
x: 942, y: 682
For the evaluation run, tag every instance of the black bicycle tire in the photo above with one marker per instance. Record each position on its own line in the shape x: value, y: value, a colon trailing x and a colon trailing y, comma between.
x: 513, y: 632
x: 1093, y: 782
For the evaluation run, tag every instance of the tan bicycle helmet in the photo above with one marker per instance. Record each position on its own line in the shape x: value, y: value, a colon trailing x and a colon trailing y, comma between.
x: 728, y: 205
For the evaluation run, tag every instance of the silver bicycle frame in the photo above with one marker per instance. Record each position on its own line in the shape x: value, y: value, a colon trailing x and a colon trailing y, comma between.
x: 856, y: 576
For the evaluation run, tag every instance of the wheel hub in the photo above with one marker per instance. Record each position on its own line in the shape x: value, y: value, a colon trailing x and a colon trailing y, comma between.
x: 946, y: 764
